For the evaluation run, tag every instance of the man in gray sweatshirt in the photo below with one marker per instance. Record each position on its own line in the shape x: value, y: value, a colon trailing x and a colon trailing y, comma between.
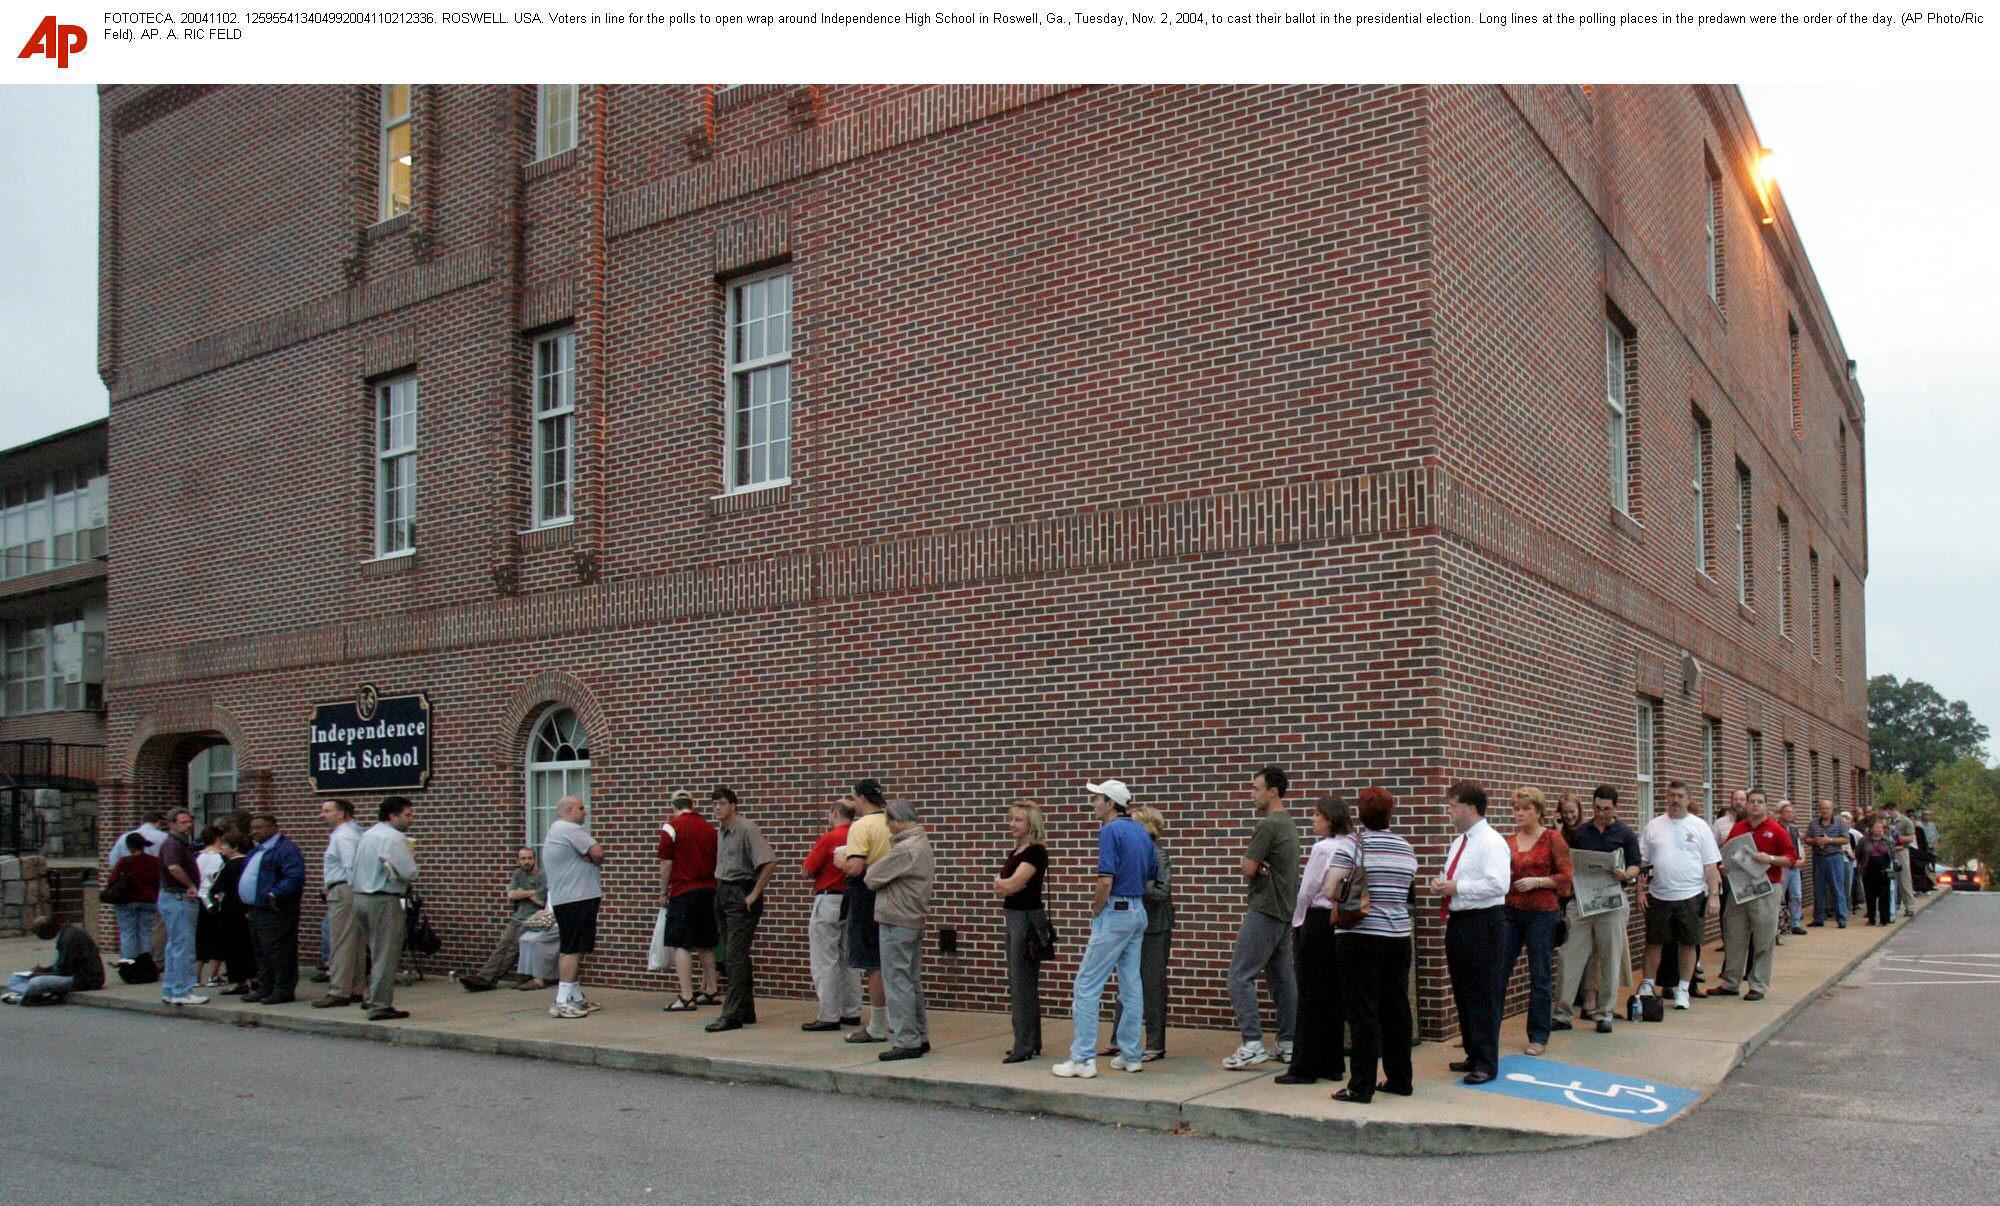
x: 901, y: 881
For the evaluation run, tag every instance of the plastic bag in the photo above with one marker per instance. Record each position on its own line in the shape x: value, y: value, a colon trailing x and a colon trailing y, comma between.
x: 657, y: 958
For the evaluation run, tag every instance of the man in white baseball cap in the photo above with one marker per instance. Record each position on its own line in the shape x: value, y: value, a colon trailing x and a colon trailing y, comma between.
x: 1117, y: 931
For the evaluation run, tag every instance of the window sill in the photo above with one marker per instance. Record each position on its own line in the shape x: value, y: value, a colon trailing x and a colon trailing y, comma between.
x: 389, y: 227
x: 550, y: 165
x: 1707, y: 583
x: 1746, y: 613
x: 389, y: 564
x: 751, y: 498
x: 1626, y: 524
x: 548, y: 536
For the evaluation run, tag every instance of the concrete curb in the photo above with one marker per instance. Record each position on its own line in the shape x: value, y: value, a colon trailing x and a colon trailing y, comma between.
x: 1370, y: 1136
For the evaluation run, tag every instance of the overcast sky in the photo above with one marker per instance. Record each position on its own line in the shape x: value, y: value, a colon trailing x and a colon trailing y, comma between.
x: 1893, y: 190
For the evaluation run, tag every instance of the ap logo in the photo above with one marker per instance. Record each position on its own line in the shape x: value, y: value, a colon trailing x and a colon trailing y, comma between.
x: 53, y: 41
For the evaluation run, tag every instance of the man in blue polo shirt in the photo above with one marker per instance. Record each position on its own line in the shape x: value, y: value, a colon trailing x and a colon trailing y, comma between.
x: 1117, y: 932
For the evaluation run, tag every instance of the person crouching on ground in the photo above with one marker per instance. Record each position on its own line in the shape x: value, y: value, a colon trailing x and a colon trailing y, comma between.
x: 901, y: 881
x: 77, y: 967
x: 526, y: 893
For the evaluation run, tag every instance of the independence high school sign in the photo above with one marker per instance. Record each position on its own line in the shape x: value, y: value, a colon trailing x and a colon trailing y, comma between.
x: 370, y: 743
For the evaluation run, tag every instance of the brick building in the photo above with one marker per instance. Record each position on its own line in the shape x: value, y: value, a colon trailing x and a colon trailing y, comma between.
x: 983, y: 439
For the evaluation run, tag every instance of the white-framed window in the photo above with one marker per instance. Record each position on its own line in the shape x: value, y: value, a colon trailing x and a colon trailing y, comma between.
x: 1711, y: 769
x: 1645, y: 742
x: 1713, y: 229
x: 759, y: 413
x: 555, y: 427
x: 1617, y: 402
x: 1704, y: 472
x: 1792, y: 774
x: 212, y: 783
x: 555, y: 119
x: 1746, y: 569
x: 1784, y: 573
x: 51, y: 663
x: 1753, y: 768
x: 52, y: 520
x: 558, y: 766
x: 397, y: 154
x: 396, y: 467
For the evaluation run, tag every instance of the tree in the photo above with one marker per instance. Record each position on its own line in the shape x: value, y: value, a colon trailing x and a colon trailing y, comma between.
x: 1913, y: 731
x: 1893, y: 788
x: 1965, y: 803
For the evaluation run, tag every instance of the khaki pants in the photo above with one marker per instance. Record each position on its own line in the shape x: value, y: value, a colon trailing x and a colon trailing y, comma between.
x: 837, y: 985
x: 344, y: 967
x: 1595, y: 944
x: 1906, y: 895
x: 381, y: 917
x: 1749, y: 936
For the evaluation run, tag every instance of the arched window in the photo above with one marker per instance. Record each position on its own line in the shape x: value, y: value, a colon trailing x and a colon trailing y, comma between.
x: 558, y: 766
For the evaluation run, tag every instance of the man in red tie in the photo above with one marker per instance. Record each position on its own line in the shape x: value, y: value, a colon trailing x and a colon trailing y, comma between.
x: 1478, y: 872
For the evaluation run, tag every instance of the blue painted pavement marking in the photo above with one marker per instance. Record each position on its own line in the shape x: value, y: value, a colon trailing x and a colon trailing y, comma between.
x: 1588, y: 1089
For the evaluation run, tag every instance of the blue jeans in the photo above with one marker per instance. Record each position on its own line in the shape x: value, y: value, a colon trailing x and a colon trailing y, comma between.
x: 1116, y: 938
x: 180, y: 914
x: 28, y: 983
x: 1795, y: 902
x: 135, y: 929
x: 1535, y: 929
x: 1830, y: 880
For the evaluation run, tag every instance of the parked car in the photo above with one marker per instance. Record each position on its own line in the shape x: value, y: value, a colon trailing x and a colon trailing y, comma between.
x: 1962, y: 879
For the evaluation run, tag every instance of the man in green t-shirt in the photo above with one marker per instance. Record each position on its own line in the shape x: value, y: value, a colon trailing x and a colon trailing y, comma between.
x: 1264, y: 939
x: 526, y: 893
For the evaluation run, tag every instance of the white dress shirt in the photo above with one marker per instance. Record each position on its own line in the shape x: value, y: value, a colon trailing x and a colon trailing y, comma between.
x: 1485, y: 872
x: 1310, y: 896
x: 337, y: 864
x: 383, y: 862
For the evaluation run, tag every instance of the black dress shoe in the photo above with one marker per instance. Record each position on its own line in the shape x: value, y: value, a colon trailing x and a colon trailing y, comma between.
x: 1722, y: 990
x: 1817, y: 924
x: 1293, y: 1078
x: 1476, y: 1078
x: 721, y: 1024
x: 387, y: 1015
x: 1015, y: 1057
x: 1396, y: 1090
x: 817, y: 1027
x: 1351, y: 1096
x: 1562, y: 1025
x: 896, y: 1053
x: 251, y: 998
x: 1461, y: 1065
x: 277, y: 1000
x: 1753, y: 995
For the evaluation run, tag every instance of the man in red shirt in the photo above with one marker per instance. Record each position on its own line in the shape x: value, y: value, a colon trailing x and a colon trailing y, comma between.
x: 838, y: 986
x: 1750, y: 927
x: 687, y: 888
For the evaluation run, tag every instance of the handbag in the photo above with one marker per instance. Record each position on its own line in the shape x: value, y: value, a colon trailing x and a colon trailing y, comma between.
x: 1352, y: 907
x: 544, y: 919
x: 1041, y: 936
x: 117, y: 889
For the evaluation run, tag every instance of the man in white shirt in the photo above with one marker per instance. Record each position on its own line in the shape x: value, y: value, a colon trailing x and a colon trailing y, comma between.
x: 343, y: 963
x: 1679, y: 886
x: 1478, y: 870
x: 384, y: 869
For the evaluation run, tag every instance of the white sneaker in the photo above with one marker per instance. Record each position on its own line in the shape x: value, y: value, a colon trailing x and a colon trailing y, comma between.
x: 586, y: 1004
x: 1249, y: 1055
x: 568, y: 1009
x: 1681, y: 998
x: 1284, y: 1053
x: 1087, y: 1070
x: 1119, y: 1064
x: 189, y: 999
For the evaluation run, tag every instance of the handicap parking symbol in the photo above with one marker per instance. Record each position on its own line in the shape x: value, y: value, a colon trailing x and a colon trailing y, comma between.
x: 1580, y: 1088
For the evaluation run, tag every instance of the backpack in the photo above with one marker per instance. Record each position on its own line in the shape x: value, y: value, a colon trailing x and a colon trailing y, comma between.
x: 417, y: 932
x: 1648, y: 1008
x: 139, y: 971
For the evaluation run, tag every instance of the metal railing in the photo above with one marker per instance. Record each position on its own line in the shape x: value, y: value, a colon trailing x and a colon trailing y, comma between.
x: 39, y: 762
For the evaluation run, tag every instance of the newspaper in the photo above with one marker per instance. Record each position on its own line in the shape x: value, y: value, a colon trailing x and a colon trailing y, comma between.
x: 1748, y: 878
x: 1597, y: 890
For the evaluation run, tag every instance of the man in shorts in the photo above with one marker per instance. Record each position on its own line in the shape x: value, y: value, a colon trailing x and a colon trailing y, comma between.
x: 571, y: 858
x: 1680, y: 885
x: 687, y: 887
x: 868, y: 839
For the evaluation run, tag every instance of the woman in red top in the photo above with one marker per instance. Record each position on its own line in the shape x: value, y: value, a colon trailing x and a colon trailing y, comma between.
x: 1541, y: 880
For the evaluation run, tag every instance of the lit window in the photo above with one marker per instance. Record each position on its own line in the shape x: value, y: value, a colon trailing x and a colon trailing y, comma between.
x: 558, y: 766
x: 555, y: 407
x: 555, y: 119
x: 396, y: 154
x: 395, y: 467
x: 759, y: 436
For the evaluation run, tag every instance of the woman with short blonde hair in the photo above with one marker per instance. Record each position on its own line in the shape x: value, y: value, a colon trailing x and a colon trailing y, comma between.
x: 1019, y: 886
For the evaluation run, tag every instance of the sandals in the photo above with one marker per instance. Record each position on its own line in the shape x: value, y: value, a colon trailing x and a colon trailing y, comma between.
x: 532, y: 983
x: 707, y: 998
x: 1535, y: 1049
x: 678, y: 1005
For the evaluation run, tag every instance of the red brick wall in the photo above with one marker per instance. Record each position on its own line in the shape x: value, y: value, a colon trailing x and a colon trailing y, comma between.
x: 1159, y: 432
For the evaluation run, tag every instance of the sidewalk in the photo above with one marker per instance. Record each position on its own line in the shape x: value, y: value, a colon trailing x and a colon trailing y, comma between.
x: 1188, y: 1092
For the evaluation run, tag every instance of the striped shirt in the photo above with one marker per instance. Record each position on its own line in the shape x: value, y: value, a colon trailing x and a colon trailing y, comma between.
x: 1391, y: 868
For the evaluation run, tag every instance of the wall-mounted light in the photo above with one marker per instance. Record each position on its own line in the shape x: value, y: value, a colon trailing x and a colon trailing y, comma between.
x: 1765, y: 173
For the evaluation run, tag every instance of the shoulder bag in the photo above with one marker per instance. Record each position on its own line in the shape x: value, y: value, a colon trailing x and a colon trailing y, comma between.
x: 1041, y: 936
x: 117, y: 889
x: 1352, y: 907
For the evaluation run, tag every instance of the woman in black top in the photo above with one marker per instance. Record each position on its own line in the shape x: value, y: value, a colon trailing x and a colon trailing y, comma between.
x: 232, y: 919
x: 1019, y: 886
